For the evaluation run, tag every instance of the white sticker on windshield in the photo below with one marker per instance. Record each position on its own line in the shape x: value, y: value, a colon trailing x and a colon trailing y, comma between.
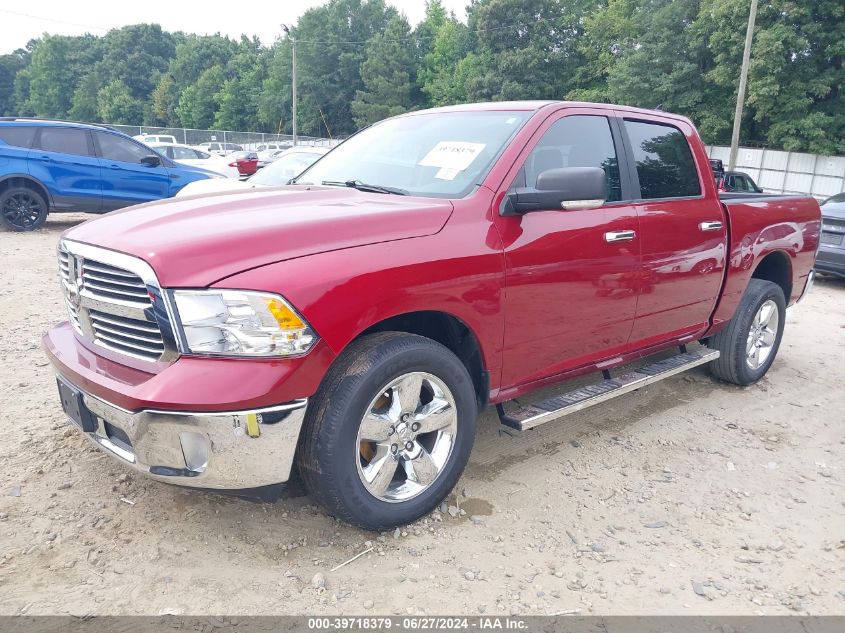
x: 456, y: 155
x: 444, y: 173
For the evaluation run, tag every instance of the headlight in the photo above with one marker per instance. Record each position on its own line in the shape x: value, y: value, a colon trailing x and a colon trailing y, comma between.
x: 241, y: 323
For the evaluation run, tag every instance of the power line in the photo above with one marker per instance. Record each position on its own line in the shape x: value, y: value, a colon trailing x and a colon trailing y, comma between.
x: 54, y: 20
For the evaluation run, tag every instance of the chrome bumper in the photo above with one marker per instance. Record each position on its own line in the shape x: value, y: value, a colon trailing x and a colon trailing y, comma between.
x: 234, y: 450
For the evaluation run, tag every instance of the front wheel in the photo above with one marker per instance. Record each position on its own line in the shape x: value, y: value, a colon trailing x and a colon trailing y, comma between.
x: 750, y: 342
x: 389, y: 432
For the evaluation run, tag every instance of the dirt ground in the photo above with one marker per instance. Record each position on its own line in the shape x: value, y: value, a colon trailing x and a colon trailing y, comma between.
x: 687, y: 497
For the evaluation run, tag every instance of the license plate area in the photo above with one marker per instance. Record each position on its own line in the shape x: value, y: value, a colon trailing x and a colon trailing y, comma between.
x: 831, y: 239
x: 74, y: 406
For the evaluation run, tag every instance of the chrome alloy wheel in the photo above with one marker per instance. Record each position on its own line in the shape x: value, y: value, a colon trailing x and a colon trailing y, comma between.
x: 762, y: 335
x: 406, y: 437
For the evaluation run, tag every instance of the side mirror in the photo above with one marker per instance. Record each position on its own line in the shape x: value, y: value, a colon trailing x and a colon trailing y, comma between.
x: 566, y: 188
x: 153, y: 160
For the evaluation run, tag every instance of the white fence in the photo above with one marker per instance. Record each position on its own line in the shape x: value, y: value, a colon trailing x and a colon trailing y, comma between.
x: 777, y: 171
x: 247, y: 140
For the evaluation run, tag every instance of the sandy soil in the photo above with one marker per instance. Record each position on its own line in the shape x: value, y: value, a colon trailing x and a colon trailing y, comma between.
x: 690, y: 496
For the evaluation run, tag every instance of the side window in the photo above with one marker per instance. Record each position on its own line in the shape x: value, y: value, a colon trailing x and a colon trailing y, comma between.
x: 65, y: 140
x: 114, y: 147
x: 575, y: 141
x: 203, y: 155
x: 184, y: 153
x: 665, y: 166
x: 17, y: 136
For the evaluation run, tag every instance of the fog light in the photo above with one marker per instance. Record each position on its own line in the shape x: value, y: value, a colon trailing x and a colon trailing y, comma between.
x: 195, y: 451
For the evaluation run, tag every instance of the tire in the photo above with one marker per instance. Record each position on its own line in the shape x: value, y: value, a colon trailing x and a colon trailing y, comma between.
x: 22, y: 209
x: 335, y: 459
x: 734, y: 365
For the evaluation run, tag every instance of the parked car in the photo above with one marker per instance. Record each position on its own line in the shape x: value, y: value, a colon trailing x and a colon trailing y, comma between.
x: 221, y: 149
x: 186, y: 155
x: 56, y: 166
x: 273, y: 147
x: 831, y: 257
x: 245, y: 162
x: 149, y: 139
x: 431, y: 265
x: 291, y: 164
x: 736, y: 181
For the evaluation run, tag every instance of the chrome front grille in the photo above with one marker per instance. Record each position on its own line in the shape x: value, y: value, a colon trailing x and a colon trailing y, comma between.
x: 114, y: 301
x: 110, y: 283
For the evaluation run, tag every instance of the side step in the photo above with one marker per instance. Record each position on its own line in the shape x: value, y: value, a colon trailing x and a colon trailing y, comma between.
x: 535, y: 414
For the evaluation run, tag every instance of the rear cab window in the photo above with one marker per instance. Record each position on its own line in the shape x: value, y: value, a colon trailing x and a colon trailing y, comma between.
x: 663, y: 159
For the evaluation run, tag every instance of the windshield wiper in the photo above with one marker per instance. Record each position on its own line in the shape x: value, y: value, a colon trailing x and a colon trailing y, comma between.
x: 361, y: 186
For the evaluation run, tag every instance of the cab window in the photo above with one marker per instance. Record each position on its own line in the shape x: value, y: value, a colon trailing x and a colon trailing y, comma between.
x: 575, y: 141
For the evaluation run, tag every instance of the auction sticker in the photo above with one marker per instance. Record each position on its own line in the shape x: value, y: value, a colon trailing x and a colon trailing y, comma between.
x: 452, y: 155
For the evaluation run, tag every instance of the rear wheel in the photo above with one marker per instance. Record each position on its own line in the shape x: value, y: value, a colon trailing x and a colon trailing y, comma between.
x: 22, y: 209
x: 389, y: 432
x: 750, y: 342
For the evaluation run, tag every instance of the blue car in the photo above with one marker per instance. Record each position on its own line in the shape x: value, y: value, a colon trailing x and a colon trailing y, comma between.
x: 58, y: 166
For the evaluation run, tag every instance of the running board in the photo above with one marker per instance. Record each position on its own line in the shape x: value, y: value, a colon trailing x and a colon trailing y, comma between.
x: 535, y: 414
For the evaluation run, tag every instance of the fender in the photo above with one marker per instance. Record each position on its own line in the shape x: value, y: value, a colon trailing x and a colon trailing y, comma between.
x: 29, y: 179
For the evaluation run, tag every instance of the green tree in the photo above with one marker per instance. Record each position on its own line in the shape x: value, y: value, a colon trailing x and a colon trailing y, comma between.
x: 58, y: 62
x: 199, y: 102
x: 387, y: 74
x: 526, y: 49
x: 164, y: 100
x: 117, y: 105
x: 438, y: 74
x: 330, y: 54
x: 795, y: 87
x: 85, y: 103
x: 10, y: 66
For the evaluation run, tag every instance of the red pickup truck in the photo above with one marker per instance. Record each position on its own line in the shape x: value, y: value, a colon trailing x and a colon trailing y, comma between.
x: 352, y: 324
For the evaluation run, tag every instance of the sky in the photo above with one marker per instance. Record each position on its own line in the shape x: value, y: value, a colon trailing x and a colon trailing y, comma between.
x: 21, y: 22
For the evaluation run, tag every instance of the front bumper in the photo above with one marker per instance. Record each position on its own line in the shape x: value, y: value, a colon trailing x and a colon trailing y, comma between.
x: 234, y: 450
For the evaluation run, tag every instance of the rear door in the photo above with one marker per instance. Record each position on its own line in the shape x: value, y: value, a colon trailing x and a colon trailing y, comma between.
x: 126, y: 180
x: 683, y: 231
x: 63, y: 159
x: 571, y: 275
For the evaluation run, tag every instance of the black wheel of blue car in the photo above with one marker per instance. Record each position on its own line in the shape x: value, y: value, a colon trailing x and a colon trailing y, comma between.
x: 22, y: 209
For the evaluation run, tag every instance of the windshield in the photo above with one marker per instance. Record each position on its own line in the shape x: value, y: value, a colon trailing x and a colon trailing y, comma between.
x: 280, y: 171
x: 439, y: 154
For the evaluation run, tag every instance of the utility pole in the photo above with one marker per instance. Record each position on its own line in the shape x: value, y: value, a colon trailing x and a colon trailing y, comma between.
x: 743, y: 80
x: 293, y: 73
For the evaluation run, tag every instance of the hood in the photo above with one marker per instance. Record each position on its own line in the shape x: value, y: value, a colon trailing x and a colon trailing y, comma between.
x: 213, y: 185
x: 195, y: 241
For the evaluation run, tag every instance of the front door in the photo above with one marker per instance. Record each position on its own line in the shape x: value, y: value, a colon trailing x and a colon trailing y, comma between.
x: 126, y: 180
x: 571, y: 282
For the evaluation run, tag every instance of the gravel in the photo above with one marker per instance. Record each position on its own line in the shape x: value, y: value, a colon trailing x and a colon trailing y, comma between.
x: 607, y: 512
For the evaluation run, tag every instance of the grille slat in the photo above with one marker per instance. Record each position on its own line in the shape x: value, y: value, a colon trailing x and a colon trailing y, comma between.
x: 119, y: 282
x: 107, y: 294
x: 141, y: 326
x: 103, y: 329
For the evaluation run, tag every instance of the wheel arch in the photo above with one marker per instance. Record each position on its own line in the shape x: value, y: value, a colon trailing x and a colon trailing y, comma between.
x: 448, y: 330
x: 25, y: 180
x: 777, y: 268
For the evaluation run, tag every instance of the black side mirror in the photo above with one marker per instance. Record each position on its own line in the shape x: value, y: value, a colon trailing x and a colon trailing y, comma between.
x: 153, y: 160
x: 566, y: 188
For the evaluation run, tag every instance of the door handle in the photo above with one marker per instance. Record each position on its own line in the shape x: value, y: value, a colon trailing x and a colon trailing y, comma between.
x: 619, y: 236
x: 714, y: 225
